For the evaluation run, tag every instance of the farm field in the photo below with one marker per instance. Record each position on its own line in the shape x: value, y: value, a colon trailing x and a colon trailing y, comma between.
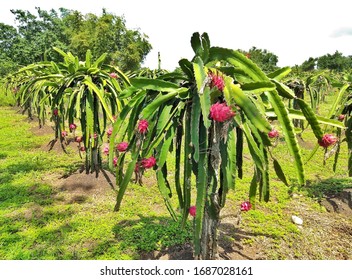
x: 50, y: 210
x: 229, y: 156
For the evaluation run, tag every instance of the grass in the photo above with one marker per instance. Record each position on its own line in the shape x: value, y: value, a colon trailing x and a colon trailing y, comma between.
x: 38, y: 220
x: 35, y: 222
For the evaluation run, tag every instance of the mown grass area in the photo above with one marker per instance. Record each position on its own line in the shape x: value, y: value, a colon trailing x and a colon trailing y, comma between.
x: 37, y: 221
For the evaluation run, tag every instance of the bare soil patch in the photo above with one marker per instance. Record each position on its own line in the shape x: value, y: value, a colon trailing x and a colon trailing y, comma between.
x: 81, y: 187
x: 339, y: 202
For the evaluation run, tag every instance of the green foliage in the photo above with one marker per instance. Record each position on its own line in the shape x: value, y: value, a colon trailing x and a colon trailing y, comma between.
x: 179, y: 121
x: 106, y: 34
x: 331, y: 186
x: 309, y: 65
x: 35, y: 36
x: 335, y: 61
x: 151, y: 233
x: 7, y: 95
x: 266, y: 60
x: 179, y: 108
x: 72, y: 92
x: 39, y: 220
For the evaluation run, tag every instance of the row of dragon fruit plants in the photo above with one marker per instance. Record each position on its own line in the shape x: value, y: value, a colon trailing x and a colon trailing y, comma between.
x: 204, y: 113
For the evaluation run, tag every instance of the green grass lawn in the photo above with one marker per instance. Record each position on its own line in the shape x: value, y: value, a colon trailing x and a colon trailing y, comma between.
x: 36, y: 222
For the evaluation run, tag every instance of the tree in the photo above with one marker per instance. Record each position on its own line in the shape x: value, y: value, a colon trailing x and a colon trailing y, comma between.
x: 336, y: 62
x: 263, y: 58
x: 37, y: 35
x: 108, y: 34
x: 8, y: 39
x: 70, y: 30
x: 72, y: 92
x: 309, y: 65
x: 203, y: 113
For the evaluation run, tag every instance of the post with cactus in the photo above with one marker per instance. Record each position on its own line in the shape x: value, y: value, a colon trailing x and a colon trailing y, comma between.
x: 204, y: 114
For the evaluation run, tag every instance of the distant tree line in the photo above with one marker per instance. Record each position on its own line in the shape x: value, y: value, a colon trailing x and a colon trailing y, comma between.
x: 268, y: 61
x: 265, y: 59
x: 336, y: 62
x: 33, y: 37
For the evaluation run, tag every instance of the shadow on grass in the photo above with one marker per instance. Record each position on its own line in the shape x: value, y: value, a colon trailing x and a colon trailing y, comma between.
x: 328, y: 187
x: 162, y: 238
x: 232, y: 237
x: 335, y: 194
x: 14, y: 196
x: 3, y: 155
x: 35, y: 233
x: 154, y: 237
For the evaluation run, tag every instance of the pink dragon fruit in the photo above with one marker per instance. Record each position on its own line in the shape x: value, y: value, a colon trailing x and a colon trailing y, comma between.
x: 327, y: 140
x: 246, y: 206
x: 192, y: 211
x: 122, y: 147
x: 148, y: 162
x: 220, y: 112
x: 143, y: 126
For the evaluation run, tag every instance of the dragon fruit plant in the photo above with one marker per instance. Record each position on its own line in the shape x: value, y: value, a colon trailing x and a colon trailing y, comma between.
x: 84, y: 91
x: 203, y: 113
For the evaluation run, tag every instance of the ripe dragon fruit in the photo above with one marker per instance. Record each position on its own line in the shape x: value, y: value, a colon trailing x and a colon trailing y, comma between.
x: 273, y: 133
x: 216, y: 81
x: 148, y: 162
x: 246, y: 206
x: 220, y: 112
x: 143, y: 126
x: 327, y: 140
x: 192, y: 211
x: 122, y: 147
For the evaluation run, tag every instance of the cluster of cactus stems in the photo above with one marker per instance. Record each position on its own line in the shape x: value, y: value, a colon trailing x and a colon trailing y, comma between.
x: 86, y: 92
x: 202, y: 114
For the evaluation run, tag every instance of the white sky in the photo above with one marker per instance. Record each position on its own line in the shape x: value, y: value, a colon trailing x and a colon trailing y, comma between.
x: 293, y: 30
